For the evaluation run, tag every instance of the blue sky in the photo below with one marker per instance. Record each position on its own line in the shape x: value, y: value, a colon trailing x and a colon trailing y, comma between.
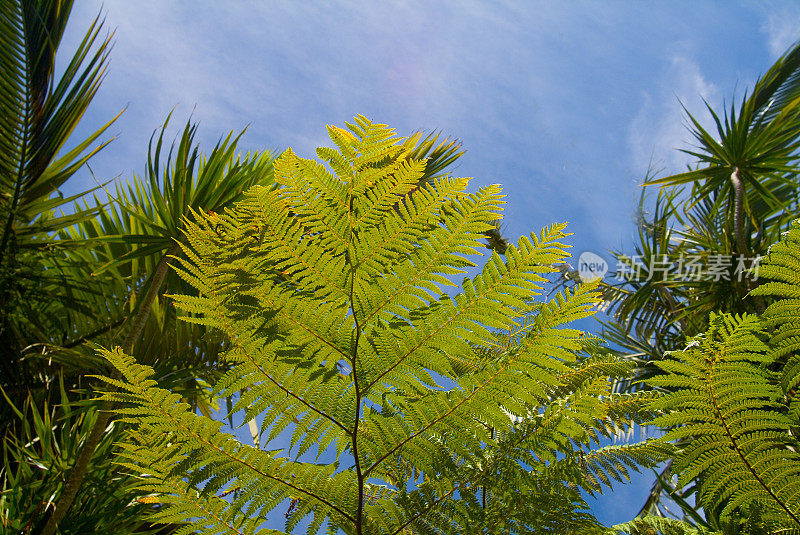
x: 564, y: 103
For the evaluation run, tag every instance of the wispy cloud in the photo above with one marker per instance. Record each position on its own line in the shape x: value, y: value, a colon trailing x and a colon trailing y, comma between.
x: 781, y: 27
x: 659, y: 129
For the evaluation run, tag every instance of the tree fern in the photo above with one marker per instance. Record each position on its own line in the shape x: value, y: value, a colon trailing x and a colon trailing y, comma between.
x: 782, y: 316
x: 725, y: 399
x: 734, y: 396
x: 330, y: 288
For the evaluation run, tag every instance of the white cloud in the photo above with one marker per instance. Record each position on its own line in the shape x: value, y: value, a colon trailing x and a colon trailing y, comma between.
x: 781, y: 28
x: 659, y: 129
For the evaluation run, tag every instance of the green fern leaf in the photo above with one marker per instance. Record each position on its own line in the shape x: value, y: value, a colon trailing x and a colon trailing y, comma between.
x: 329, y: 291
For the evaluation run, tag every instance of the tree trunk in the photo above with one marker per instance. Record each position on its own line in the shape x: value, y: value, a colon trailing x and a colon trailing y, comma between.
x: 738, y: 230
x: 738, y: 208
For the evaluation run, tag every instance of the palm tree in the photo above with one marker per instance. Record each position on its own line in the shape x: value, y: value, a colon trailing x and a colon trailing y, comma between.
x: 133, y: 242
x: 59, y: 289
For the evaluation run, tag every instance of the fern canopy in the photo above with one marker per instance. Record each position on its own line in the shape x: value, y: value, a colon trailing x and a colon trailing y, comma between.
x: 330, y: 288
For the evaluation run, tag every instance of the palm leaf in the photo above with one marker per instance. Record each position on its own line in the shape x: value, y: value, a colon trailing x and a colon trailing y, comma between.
x: 39, y: 110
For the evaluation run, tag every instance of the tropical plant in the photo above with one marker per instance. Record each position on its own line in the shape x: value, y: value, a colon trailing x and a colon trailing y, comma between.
x: 707, y: 227
x: 133, y: 242
x: 129, y: 240
x: 56, y: 297
x: 742, y: 195
x: 754, y: 160
x: 38, y: 114
x: 733, y: 394
x: 93, y: 272
x: 329, y: 289
x: 132, y: 239
x: 37, y: 457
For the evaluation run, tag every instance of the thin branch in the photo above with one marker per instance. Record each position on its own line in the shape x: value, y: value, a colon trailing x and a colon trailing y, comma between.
x: 102, y: 330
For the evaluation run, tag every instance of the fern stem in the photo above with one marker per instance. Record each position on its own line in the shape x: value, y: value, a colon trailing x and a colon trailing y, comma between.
x: 353, y: 262
x: 360, y: 475
x: 78, y: 472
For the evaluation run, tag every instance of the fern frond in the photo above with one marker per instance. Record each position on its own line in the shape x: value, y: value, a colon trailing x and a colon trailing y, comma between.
x: 198, y: 453
x: 724, y: 398
x: 328, y: 289
x: 781, y: 267
x: 655, y: 525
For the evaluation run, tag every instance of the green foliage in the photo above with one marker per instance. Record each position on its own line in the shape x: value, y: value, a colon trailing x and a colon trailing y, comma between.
x: 737, y: 200
x: 124, y: 261
x: 152, y: 207
x: 133, y: 235
x: 36, y: 458
x: 537, y: 473
x: 656, y: 525
x: 725, y: 400
x: 39, y: 110
x: 781, y: 319
x: 759, y: 142
x: 783, y: 316
x: 38, y: 113
x: 329, y: 289
x: 732, y: 407
x: 74, y: 272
